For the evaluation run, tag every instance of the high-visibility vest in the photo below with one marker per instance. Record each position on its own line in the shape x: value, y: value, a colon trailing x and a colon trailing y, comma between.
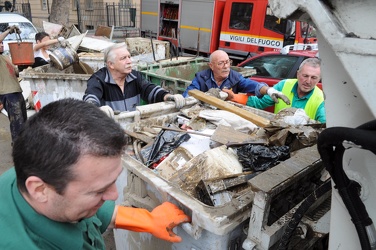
x: 312, y: 104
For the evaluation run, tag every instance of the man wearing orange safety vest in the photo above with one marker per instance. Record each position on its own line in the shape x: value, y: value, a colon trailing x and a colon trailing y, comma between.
x: 302, y: 92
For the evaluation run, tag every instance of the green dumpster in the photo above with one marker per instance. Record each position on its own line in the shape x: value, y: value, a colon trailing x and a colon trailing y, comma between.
x: 175, y: 76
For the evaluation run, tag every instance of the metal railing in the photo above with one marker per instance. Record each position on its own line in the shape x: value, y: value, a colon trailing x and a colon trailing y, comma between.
x: 89, y: 17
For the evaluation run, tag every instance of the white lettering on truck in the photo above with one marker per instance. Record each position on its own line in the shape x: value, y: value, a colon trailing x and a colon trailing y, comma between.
x: 253, y: 40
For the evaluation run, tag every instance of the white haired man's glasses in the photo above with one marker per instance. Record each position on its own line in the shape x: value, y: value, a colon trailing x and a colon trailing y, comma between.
x: 221, y: 63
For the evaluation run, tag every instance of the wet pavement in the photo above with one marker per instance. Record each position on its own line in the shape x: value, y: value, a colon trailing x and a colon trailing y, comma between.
x: 6, y: 160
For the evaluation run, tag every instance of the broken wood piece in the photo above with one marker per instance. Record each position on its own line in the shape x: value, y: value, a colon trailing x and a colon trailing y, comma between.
x: 141, y: 137
x: 258, y: 120
x: 220, y: 190
x: 230, y: 137
x: 181, y: 130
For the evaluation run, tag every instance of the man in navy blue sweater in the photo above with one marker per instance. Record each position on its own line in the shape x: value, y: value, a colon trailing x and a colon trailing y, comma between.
x: 220, y: 75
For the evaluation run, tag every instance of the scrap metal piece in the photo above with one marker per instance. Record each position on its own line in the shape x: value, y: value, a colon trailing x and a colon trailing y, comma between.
x: 218, y: 191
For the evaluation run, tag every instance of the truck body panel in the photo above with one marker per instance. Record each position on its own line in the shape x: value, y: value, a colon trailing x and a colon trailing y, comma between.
x: 240, y: 27
x: 196, y: 26
x: 149, y: 18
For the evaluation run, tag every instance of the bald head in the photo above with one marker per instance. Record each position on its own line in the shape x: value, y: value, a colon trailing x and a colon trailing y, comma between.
x: 220, y: 65
x: 218, y: 54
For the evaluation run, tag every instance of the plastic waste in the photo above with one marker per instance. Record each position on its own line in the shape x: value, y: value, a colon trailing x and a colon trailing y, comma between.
x: 261, y: 158
x: 165, y: 142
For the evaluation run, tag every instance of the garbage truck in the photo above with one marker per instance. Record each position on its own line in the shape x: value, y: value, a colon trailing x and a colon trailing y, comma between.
x: 242, y: 28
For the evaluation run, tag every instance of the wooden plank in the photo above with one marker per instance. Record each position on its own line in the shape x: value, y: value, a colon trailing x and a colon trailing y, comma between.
x: 139, y: 136
x: 231, y: 137
x: 258, y: 120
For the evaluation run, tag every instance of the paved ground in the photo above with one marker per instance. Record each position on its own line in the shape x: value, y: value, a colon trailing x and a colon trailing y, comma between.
x: 6, y: 162
x: 5, y: 144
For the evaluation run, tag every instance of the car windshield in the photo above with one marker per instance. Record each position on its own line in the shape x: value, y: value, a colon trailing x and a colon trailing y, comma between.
x: 273, y: 66
x: 27, y: 31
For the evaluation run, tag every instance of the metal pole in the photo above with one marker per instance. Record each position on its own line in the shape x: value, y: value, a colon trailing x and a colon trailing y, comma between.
x: 107, y: 14
x: 113, y: 4
x: 79, y: 15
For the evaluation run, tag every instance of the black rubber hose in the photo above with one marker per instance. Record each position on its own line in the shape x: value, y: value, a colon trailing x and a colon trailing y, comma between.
x: 300, y: 212
x: 331, y: 149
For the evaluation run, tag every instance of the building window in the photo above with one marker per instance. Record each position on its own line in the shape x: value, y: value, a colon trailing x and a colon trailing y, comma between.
x: 89, y: 5
x: 44, y: 4
x: 75, y: 4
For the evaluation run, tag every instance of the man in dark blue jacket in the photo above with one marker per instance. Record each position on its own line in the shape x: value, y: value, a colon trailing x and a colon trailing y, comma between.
x: 118, y: 87
x: 220, y: 75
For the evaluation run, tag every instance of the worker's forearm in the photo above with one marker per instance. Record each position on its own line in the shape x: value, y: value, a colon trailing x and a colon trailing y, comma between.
x: 3, y: 35
x: 38, y: 46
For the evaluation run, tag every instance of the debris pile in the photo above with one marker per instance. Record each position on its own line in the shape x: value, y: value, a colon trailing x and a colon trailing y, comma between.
x: 211, y: 154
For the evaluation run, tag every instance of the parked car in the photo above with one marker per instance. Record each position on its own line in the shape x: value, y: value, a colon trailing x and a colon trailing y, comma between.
x: 28, y: 30
x: 272, y: 67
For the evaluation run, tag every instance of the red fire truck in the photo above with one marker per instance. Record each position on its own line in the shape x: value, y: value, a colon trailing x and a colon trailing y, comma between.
x: 242, y: 28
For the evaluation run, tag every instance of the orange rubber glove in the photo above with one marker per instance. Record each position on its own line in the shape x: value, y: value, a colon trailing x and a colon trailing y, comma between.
x: 239, y: 98
x: 159, y: 222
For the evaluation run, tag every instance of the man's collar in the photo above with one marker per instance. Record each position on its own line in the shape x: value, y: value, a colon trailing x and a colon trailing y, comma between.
x: 109, y: 79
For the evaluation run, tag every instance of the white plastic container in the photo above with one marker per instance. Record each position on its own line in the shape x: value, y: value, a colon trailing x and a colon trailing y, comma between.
x: 213, y: 228
x: 49, y: 84
x: 223, y: 227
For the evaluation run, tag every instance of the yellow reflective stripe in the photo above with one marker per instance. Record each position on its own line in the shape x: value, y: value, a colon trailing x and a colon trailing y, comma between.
x: 194, y: 28
x: 314, y: 102
x: 287, y: 91
x: 149, y: 13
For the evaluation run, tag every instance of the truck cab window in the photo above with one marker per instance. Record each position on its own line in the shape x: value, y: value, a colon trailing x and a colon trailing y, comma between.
x: 282, y: 26
x: 241, y: 15
x: 308, y: 30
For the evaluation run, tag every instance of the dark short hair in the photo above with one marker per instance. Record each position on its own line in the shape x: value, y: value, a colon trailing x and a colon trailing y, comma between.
x: 55, y: 138
x: 40, y: 35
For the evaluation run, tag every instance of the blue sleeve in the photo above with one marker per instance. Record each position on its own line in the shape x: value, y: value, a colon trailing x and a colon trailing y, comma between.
x: 321, y: 114
x: 193, y: 85
x: 247, y: 85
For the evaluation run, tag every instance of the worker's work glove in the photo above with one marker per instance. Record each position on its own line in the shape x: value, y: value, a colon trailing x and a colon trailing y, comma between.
x: 238, y: 98
x: 14, y: 29
x: 62, y: 41
x: 108, y: 111
x: 178, y: 99
x: 159, y: 222
x: 275, y: 95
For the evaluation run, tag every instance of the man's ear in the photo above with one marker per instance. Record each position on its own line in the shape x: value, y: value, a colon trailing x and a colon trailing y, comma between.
x: 38, y: 190
x: 110, y: 64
